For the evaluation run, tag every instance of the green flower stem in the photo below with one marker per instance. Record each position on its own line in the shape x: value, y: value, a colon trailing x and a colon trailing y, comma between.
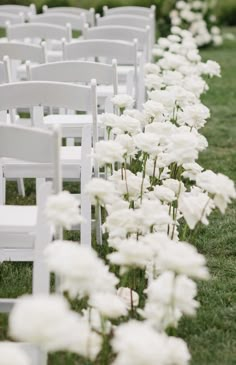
x: 145, y: 157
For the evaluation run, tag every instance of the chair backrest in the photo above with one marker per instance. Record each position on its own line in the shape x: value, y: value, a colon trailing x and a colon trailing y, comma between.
x: 130, y: 20
x: 16, y: 9
x: 135, y: 10
x: 89, y: 13
x: 39, y: 94
x: 39, y: 146
x: 38, y: 31
x: 77, y: 22
x: 75, y: 71
x: 124, y: 33
x: 23, y: 51
x: 10, y: 18
x: 124, y: 52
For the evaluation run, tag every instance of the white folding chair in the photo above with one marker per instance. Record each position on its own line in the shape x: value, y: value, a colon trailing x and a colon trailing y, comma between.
x: 77, y: 22
x: 77, y: 72
x: 19, y: 53
x: 24, y: 230
x: 76, y: 161
x: 37, y: 32
x: 19, y: 9
x: 130, y: 20
x: 89, y: 13
x: 105, y: 50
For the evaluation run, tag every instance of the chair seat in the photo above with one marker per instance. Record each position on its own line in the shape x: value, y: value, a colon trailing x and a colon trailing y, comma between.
x: 71, y: 164
x: 19, y: 219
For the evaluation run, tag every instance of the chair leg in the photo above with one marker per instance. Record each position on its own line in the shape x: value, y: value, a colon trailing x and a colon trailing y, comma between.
x: 21, y: 187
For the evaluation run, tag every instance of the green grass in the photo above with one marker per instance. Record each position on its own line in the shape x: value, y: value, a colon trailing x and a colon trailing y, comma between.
x: 211, y: 335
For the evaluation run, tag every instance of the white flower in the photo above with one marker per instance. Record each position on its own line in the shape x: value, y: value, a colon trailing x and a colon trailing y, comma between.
x: 127, y: 143
x: 123, y: 101
x: 12, y: 354
x: 211, y: 68
x: 147, y: 142
x: 178, y: 353
x: 101, y: 190
x: 182, y: 258
x: 108, y: 152
x: 164, y: 194
x: 130, y: 254
x: 219, y: 185
x: 110, y: 120
x: 153, y: 81
x: 182, y: 148
x: 169, y: 297
x: 72, y: 263
x: 62, y: 210
x: 175, y: 185
x: 121, y: 222
x: 127, y: 124
x: 154, y: 109
x: 151, y: 68
x: 195, y: 207
x: 191, y: 170
x: 138, y: 343
x: 109, y: 305
x: 47, y: 321
x: 128, y: 296
x: 128, y: 183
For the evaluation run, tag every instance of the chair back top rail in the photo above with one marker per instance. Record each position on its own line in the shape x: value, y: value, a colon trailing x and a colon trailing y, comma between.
x: 43, y: 93
x: 11, y: 18
x: 89, y: 13
x: 39, y: 30
x: 135, y: 10
x: 39, y: 144
x: 117, y: 32
x: 76, y: 22
x: 23, y: 51
x: 137, y: 21
x: 73, y: 71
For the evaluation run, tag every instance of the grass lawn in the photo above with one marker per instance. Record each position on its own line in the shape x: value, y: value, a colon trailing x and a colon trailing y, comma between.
x: 212, y: 334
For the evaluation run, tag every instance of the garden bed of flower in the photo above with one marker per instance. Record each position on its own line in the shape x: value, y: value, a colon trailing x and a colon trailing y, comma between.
x: 210, y: 335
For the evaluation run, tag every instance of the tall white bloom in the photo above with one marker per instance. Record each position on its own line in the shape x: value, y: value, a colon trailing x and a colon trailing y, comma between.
x: 101, y: 190
x: 12, y: 354
x: 219, y: 186
x: 108, y: 305
x: 123, y: 101
x: 63, y: 210
x: 47, y: 321
x: 108, y: 152
x: 72, y: 263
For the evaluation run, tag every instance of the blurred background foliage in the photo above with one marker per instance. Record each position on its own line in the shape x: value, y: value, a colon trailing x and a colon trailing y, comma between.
x: 224, y: 9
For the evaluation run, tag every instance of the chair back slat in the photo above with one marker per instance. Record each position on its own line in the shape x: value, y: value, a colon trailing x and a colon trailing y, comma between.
x: 10, y: 18
x: 135, y: 10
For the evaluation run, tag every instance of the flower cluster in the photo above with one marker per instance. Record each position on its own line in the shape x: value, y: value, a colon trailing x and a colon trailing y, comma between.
x: 197, y: 17
x: 154, y: 196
